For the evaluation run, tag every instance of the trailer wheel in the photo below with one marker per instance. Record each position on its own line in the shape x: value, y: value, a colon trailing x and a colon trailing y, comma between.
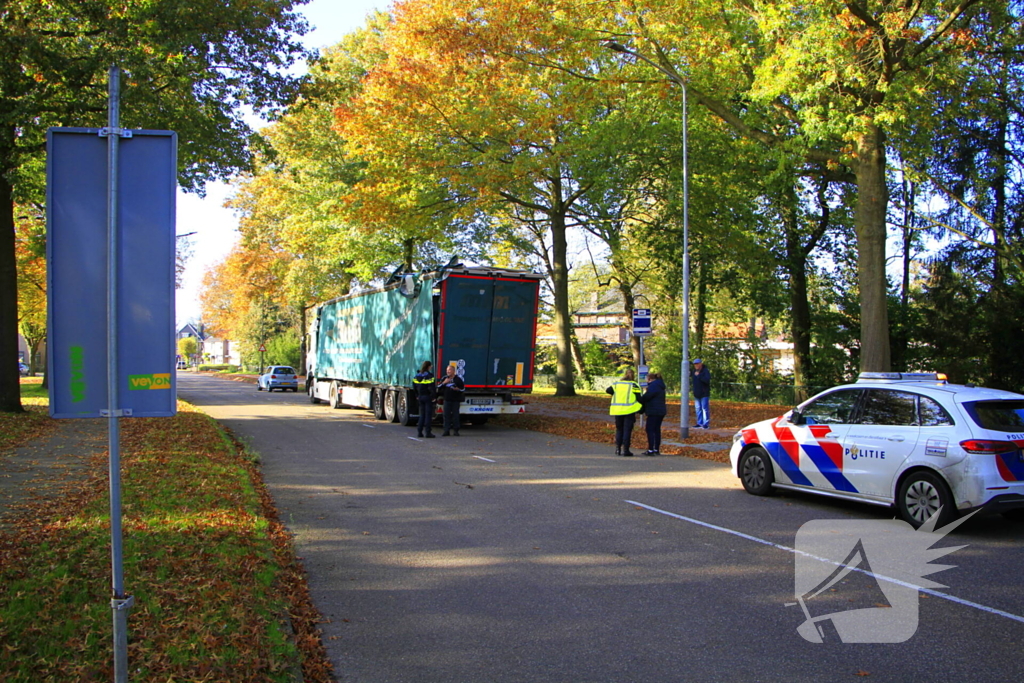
x: 391, y: 405
x: 404, y: 417
x: 377, y: 402
x: 335, y: 395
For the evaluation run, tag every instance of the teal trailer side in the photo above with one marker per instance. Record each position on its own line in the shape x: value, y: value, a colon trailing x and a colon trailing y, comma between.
x: 377, y: 337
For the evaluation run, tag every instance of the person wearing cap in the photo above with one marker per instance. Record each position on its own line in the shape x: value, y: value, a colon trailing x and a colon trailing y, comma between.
x: 700, y: 383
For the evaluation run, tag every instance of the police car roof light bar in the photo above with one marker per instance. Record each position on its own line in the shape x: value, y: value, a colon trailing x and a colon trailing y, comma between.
x: 901, y: 376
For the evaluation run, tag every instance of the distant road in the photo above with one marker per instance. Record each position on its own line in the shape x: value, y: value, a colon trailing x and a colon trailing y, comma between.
x: 513, y: 556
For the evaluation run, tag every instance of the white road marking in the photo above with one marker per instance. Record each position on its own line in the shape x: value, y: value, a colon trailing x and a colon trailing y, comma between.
x: 483, y: 458
x: 927, y: 591
x: 413, y: 438
x: 366, y: 425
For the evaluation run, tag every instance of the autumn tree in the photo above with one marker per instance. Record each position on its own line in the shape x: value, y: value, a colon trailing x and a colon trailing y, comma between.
x: 188, y: 347
x: 188, y: 69
x: 454, y: 124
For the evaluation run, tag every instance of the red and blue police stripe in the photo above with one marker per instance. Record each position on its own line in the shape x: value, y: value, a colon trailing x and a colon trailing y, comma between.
x: 787, y: 451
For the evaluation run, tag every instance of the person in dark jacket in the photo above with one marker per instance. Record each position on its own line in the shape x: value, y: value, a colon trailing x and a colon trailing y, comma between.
x: 655, y: 410
x: 454, y: 389
x: 426, y: 395
x: 700, y: 381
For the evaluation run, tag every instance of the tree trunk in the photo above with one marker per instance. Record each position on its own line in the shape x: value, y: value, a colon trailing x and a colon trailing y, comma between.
x: 564, y: 385
x: 872, y: 202
x: 701, y: 308
x: 10, y: 384
x: 796, y: 267
x: 407, y: 253
x: 901, y: 338
x: 800, y: 320
x: 577, y: 358
x: 303, y: 340
x: 1002, y: 347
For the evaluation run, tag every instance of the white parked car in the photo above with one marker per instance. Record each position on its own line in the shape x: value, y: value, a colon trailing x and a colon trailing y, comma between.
x: 906, y: 439
x: 278, y: 377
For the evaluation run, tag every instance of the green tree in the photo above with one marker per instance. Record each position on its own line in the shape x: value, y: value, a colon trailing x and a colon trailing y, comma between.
x: 827, y: 82
x: 188, y: 69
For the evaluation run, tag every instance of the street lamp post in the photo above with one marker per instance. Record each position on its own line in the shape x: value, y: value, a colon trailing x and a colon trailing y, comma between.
x: 684, y: 375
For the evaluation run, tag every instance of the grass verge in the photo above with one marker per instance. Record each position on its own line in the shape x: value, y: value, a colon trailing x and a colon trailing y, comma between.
x: 219, y: 594
x: 591, y: 423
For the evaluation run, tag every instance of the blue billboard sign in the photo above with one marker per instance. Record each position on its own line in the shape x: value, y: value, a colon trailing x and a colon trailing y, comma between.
x: 77, y: 252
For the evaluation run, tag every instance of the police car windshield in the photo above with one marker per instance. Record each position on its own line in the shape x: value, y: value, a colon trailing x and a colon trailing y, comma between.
x: 1003, y: 416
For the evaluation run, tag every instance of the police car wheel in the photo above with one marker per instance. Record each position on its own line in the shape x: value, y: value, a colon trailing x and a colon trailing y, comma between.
x: 921, y: 495
x: 756, y: 472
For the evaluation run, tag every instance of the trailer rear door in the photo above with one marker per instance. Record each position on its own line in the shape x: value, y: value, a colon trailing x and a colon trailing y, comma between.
x: 513, y: 333
x: 488, y: 328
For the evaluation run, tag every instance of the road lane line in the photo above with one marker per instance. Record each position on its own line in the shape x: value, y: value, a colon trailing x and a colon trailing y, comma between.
x: 905, y: 584
x: 483, y: 458
x: 366, y: 425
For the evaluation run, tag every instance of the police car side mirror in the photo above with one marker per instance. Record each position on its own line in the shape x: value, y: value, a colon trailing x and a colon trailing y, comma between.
x: 797, y: 418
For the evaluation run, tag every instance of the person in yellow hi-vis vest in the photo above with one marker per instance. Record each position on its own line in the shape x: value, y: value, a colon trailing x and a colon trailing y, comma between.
x: 625, y: 406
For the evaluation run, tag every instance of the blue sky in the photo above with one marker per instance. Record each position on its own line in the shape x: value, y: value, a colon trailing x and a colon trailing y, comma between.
x: 216, y: 228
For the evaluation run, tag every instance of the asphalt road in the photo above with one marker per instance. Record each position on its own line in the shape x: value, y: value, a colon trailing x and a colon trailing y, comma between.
x: 509, y: 555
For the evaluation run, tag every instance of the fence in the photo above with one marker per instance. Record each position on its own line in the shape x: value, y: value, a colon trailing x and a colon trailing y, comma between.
x: 772, y: 394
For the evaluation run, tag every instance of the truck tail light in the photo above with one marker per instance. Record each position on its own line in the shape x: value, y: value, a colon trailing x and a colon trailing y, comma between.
x: 983, y: 446
x: 516, y: 401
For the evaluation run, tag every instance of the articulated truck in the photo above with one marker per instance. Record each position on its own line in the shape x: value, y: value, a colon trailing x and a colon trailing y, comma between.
x: 365, y: 348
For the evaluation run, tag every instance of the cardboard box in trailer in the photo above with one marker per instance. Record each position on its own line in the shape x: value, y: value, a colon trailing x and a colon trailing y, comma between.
x: 365, y: 348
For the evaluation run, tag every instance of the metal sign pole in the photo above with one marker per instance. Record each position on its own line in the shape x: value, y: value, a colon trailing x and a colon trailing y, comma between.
x: 119, y: 603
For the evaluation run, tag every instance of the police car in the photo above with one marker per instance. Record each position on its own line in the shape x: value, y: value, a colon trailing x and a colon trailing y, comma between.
x: 906, y: 439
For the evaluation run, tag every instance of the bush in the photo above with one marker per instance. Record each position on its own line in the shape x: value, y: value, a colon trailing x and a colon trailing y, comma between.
x: 218, y: 368
x: 283, y: 349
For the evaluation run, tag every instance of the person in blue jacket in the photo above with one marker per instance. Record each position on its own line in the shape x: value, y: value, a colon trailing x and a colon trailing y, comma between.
x: 426, y: 395
x: 655, y: 410
x: 700, y: 382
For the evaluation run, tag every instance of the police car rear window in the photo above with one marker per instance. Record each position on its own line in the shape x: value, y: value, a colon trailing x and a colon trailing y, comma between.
x: 1002, y: 416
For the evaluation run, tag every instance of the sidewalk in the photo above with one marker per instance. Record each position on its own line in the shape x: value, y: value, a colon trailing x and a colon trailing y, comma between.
x: 42, y: 468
